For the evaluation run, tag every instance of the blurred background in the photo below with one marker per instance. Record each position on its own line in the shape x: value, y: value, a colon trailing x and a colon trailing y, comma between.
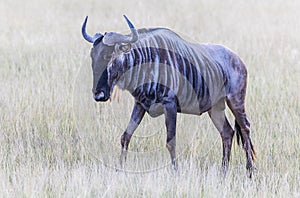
x: 56, y: 141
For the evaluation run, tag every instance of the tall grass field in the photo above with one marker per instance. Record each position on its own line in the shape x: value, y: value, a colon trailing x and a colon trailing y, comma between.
x: 56, y: 141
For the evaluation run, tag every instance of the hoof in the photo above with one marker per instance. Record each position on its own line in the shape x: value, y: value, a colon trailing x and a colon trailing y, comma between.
x: 250, y: 171
x: 174, y: 165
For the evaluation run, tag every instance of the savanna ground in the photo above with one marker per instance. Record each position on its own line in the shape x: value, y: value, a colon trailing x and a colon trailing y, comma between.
x: 56, y: 141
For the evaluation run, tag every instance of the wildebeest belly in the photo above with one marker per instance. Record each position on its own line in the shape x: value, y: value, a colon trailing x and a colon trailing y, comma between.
x: 154, y: 96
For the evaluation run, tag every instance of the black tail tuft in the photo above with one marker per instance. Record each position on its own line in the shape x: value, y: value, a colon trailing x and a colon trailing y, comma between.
x: 239, y: 136
x: 253, y: 153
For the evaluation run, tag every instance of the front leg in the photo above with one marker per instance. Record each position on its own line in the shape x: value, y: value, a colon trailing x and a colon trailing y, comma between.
x: 170, y: 120
x: 137, y: 115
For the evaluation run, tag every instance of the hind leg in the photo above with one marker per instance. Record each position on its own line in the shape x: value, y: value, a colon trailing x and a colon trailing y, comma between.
x: 242, y: 127
x: 217, y: 115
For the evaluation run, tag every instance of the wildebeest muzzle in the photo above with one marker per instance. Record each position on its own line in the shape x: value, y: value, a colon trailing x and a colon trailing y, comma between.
x: 102, y: 91
x: 101, y: 96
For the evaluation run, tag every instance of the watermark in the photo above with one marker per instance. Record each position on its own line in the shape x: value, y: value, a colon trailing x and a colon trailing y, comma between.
x: 151, y: 73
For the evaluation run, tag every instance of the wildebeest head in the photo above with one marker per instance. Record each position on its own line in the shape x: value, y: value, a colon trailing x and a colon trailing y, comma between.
x: 102, y: 53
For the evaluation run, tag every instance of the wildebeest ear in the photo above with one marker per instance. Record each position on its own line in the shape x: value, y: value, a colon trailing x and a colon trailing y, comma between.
x: 125, y: 47
x: 97, y: 41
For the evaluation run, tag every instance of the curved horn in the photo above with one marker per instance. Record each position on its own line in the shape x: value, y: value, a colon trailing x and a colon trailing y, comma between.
x: 135, y: 35
x: 112, y: 38
x: 86, y: 36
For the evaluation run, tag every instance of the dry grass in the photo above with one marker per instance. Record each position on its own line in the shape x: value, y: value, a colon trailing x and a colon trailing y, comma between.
x: 56, y: 141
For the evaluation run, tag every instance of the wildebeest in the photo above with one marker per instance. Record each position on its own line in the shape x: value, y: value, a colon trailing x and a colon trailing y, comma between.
x: 166, y: 74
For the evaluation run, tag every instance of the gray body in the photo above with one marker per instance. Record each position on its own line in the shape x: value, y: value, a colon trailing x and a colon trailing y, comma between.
x: 166, y: 75
x: 196, y: 75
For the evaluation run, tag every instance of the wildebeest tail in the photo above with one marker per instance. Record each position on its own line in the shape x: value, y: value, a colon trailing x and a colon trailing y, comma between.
x: 240, y: 139
x: 239, y: 136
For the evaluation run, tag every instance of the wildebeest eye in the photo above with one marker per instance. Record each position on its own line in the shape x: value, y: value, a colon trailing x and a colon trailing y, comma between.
x: 125, y: 48
x: 115, y: 75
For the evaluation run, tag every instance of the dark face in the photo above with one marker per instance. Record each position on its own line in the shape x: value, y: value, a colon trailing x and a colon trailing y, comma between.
x: 101, y: 55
